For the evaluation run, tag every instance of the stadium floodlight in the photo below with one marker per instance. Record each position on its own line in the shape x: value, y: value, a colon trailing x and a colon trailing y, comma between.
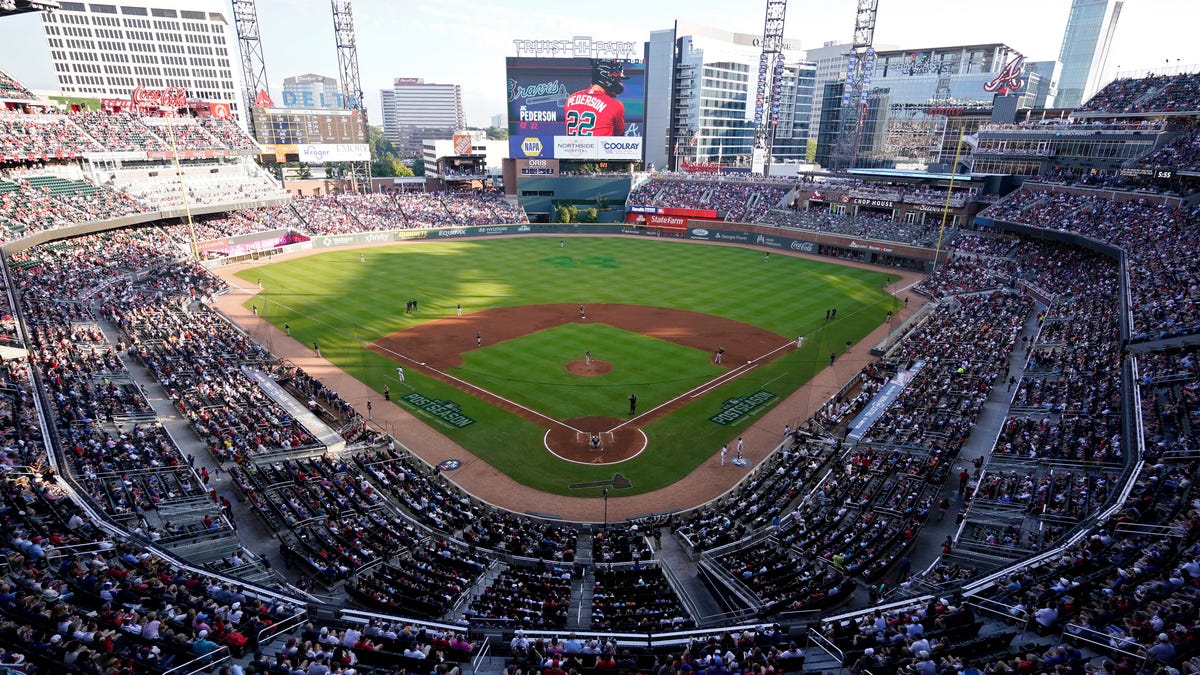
x: 8, y: 5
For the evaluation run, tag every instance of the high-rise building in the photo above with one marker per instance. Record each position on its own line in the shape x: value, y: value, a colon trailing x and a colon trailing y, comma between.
x: 711, y: 76
x: 1085, y: 46
x: 498, y: 121
x: 313, y: 91
x: 109, y: 50
x: 414, y: 110
x: 830, y: 62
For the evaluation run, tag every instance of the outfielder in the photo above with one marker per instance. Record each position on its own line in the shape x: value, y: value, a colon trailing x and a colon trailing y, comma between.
x: 595, y: 111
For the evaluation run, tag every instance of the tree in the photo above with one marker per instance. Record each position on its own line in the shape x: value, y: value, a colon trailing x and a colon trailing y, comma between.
x: 496, y: 133
x: 567, y: 213
x: 418, y: 166
x: 381, y: 146
x: 589, y: 216
x: 388, y: 167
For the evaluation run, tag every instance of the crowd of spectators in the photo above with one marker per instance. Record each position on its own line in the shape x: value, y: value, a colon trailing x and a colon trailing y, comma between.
x: 869, y: 224
x: 1181, y: 153
x: 1154, y: 93
x: 33, y: 200
x: 1156, y: 239
x: 120, y: 132
x: 13, y: 90
x: 638, y: 599
x: 52, y: 135
x: 236, y: 223
x: 537, y: 596
x: 525, y: 537
x: 734, y: 200
x: 198, y: 186
x: 42, y: 136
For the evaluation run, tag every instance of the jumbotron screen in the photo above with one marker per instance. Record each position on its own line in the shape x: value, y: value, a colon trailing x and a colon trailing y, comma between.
x: 577, y: 108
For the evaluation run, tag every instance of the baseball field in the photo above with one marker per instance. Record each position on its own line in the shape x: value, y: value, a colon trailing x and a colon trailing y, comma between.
x: 580, y: 364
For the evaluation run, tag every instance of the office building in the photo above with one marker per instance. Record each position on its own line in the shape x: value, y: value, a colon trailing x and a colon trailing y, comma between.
x: 414, y: 111
x: 712, y: 77
x: 1085, y: 46
x: 108, y: 50
x: 921, y: 99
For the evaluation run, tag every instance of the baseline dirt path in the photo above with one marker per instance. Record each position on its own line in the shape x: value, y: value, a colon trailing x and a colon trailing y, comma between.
x: 489, y: 484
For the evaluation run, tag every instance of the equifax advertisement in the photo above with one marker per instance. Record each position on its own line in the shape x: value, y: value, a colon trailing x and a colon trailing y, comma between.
x: 577, y: 108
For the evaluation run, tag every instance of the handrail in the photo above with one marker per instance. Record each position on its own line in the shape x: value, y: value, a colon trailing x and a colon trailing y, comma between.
x: 1103, y: 640
x: 202, y: 663
x: 481, y: 654
x: 282, y: 626
x: 826, y: 645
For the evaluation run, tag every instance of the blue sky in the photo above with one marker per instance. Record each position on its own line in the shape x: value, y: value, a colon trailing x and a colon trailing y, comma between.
x: 465, y: 41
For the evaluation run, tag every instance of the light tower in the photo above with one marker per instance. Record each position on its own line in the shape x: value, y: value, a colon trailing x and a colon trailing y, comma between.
x: 351, y: 83
x: 254, y: 66
x: 860, y: 66
x: 770, y: 77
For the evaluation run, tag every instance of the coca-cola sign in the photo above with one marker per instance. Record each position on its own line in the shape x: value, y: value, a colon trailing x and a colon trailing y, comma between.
x: 171, y: 97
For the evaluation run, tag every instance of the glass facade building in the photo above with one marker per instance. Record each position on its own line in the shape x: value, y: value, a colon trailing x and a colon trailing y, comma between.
x: 1085, y: 46
x: 712, y: 77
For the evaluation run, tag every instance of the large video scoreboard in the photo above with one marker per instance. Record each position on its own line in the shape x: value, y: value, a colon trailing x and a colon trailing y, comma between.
x: 568, y: 108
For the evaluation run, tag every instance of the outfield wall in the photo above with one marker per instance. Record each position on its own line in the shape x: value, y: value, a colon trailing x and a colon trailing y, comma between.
x: 870, y: 251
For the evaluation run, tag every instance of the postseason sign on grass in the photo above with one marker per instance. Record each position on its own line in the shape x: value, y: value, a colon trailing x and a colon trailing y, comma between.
x: 446, y: 411
x: 735, y: 409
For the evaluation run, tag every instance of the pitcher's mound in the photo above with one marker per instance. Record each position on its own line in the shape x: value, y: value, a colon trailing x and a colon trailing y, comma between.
x: 578, y: 367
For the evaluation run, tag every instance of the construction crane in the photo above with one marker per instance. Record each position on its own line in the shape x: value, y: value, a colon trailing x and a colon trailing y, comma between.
x: 860, y: 66
x: 350, y: 82
x: 254, y: 66
x: 770, y: 78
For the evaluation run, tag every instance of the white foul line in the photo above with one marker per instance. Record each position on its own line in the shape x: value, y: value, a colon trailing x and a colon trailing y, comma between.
x: 478, y: 388
x: 711, y: 384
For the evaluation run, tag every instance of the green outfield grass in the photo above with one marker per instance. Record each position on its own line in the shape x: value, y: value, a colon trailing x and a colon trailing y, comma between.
x: 342, y: 303
x: 529, y: 370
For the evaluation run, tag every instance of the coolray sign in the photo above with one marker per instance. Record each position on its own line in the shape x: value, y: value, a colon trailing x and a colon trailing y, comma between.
x: 444, y: 411
x: 735, y: 409
x: 580, y: 46
x: 598, y: 147
x: 343, y: 152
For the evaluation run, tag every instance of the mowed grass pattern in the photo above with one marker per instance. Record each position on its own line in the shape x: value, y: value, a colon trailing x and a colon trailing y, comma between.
x: 529, y: 370
x: 342, y: 303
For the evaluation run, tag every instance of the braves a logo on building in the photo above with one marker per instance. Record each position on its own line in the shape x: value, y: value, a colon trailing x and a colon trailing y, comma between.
x: 1008, y: 79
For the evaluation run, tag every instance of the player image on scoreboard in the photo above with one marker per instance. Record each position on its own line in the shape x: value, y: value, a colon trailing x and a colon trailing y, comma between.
x: 595, y: 111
